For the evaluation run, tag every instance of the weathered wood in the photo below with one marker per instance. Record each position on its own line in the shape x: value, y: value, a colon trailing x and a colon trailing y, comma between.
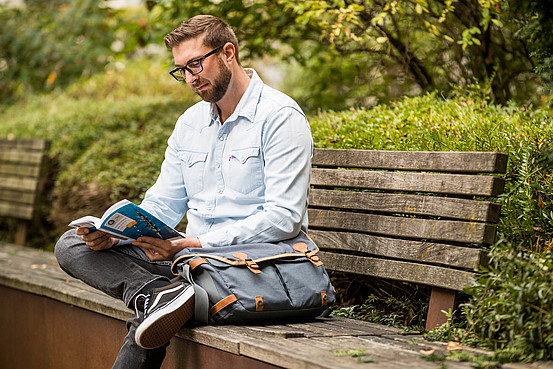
x: 453, y: 184
x: 29, y: 144
x: 440, y: 300
x: 21, y: 156
x: 429, y: 275
x: 21, y: 233
x: 429, y: 229
x: 421, y: 251
x: 18, y: 183
x: 447, y: 207
x: 20, y: 211
x: 455, y: 162
x: 21, y: 162
x: 19, y: 169
x: 14, y: 196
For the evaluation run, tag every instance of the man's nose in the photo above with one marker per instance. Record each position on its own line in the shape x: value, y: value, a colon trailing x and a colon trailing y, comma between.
x: 191, y: 78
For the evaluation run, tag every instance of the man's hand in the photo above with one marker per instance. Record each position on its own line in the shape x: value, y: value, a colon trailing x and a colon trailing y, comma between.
x: 163, y: 250
x: 97, y: 240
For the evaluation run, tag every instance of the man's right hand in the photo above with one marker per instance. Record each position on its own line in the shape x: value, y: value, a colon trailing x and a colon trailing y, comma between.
x: 97, y: 240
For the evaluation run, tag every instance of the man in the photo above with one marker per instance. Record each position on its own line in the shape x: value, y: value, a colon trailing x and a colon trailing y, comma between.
x: 237, y: 164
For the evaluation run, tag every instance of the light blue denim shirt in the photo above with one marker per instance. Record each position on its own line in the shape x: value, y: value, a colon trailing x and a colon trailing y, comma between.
x: 241, y: 182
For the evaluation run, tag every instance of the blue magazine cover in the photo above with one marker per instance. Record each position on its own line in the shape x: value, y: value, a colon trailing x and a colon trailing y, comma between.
x: 126, y: 220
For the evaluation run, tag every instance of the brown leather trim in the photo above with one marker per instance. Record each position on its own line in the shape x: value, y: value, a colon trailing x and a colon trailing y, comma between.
x: 324, y: 298
x: 258, y: 303
x: 223, y: 303
x: 251, y: 264
x: 196, y: 262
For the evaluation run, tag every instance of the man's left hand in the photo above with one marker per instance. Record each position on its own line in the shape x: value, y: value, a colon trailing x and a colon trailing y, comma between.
x: 164, y: 250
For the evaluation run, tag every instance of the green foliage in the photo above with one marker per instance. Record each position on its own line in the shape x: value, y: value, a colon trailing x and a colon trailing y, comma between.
x: 46, y: 44
x: 510, y: 310
x: 356, y: 52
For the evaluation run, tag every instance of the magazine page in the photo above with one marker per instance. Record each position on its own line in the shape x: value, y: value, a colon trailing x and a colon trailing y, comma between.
x: 129, y: 220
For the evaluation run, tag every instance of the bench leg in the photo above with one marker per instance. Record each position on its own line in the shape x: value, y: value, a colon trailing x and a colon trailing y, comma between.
x: 21, y: 233
x: 440, y: 299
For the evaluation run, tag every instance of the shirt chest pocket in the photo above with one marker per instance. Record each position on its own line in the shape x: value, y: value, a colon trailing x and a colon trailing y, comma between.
x: 246, y: 169
x: 193, y: 166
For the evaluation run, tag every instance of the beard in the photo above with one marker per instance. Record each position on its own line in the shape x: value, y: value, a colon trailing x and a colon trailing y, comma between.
x: 218, y: 87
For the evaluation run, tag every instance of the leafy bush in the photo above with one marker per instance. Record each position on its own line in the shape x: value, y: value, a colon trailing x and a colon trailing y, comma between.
x: 45, y: 44
x: 511, y: 306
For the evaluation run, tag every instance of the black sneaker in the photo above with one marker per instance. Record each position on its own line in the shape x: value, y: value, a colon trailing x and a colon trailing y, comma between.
x: 166, y: 309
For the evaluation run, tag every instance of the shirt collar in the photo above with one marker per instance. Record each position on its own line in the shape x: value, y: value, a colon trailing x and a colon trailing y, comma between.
x: 247, y: 105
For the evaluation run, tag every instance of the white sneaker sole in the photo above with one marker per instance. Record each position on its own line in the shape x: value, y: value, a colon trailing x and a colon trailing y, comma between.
x: 158, y: 328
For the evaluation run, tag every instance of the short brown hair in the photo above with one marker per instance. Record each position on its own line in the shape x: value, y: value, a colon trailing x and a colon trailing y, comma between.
x: 215, y: 32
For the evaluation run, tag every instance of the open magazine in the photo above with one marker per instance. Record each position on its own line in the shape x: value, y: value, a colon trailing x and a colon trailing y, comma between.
x: 127, y: 221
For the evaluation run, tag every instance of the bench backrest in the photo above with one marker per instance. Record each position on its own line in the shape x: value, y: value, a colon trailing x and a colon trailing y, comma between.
x: 420, y: 217
x: 21, y: 162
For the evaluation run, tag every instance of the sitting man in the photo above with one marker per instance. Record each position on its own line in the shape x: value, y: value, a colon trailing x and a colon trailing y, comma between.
x: 237, y: 164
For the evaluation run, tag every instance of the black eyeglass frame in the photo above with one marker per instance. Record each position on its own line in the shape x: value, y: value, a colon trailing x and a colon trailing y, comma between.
x: 179, y: 72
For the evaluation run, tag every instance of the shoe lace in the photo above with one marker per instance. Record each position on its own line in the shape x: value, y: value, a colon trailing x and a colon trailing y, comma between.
x: 146, y: 300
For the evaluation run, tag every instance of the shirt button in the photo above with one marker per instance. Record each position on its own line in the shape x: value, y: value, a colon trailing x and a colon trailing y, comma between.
x: 221, y: 138
x: 218, y: 165
x: 220, y: 191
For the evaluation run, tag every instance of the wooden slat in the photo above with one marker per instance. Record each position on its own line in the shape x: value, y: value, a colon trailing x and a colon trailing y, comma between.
x: 16, y: 196
x: 21, y: 156
x: 32, y: 144
x: 399, y: 270
x: 16, y: 210
x: 419, y: 251
x: 454, y: 184
x: 19, y: 169
x: 16, y: 183
x: 456, y: 162
x: 428, y: 229
x: 453, y: 208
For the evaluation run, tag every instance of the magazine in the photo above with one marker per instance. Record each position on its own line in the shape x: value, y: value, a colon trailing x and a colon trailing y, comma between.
x: 127, y: 221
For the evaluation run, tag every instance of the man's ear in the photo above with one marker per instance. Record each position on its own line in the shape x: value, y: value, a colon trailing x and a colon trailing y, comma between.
x: 230, y: 52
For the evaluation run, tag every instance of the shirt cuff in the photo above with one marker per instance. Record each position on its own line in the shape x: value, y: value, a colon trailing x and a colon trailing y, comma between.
x: 214, y: 239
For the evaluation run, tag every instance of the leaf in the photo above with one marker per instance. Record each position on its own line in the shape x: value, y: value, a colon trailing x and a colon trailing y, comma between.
x: 382, y: 39
x: 452, y: 346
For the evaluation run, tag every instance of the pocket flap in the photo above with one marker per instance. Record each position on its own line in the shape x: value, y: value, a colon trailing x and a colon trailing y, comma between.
x: 244, y: 154
x: 191, y: 157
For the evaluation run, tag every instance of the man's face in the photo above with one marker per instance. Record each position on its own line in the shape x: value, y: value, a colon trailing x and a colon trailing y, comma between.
x: 212, y: 82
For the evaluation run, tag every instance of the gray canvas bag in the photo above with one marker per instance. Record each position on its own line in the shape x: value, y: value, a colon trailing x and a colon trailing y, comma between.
x: 257, y: 282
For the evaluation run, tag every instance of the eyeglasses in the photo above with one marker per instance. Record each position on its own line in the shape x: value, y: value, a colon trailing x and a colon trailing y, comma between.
x: 193, y: 67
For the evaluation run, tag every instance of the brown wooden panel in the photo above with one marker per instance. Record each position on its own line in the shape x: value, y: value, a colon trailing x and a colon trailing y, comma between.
x: 428, y: 229
x: 21, y: 156
x: 458, y: 162
x: 16, y: 196
x: 398, y: 270
x: 18, y: 183
x: 419, y: 251
x: 479, y: 211
x: 31, y: 144
x: 454, y: 184
x: 20, y: 211
x: 19, y: 169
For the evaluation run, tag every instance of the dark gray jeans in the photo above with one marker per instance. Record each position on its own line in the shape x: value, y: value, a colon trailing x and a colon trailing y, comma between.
x: 120, y: 272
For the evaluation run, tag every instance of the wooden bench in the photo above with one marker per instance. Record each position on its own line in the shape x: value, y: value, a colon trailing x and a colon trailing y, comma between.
x: 421, y: 217
x: 21, y: 179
